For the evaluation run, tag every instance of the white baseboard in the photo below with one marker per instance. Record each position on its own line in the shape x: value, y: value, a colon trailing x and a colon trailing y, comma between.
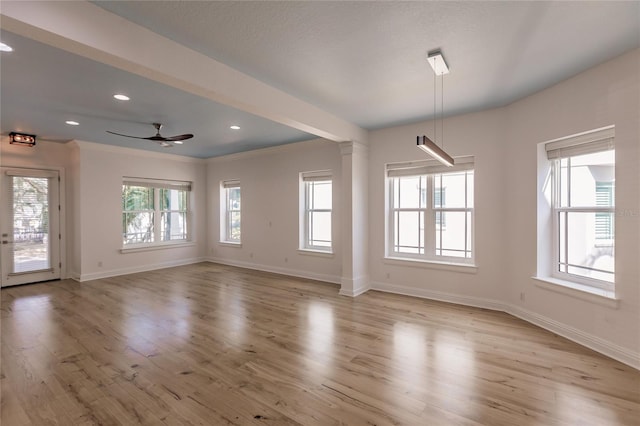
x: 277, y: 270
x: 354, y: 287
x: 136, y: 269
x: 476, y: 302
x: 590, y: 341
x: 598, y: 344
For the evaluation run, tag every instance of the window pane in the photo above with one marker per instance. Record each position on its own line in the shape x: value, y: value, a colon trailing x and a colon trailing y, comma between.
x: 452, y: 240
x: 587, y: 255
x: 589, y: 171
x: 173, y: 226
x: 320, y: 229
x: 411, y: 192
x: 320, y: 195
x: 173, y: 199
x: 234, y: 226
x: 409, y: 232
x: 233, y: 198
x: 138, y: 227
x: 137, y: 198
x: 454, y: 184
x: 30, y: 248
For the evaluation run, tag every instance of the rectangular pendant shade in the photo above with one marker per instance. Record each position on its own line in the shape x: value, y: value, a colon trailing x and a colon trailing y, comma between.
x: 434, y: 150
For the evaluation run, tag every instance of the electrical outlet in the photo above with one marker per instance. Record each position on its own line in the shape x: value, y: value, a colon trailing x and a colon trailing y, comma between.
x: 388, y: 275
x: 100, y: 264
x: 286, y: 259
x: 522, y: 296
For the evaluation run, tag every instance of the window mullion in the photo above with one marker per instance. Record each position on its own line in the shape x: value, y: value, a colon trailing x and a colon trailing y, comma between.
x: 430, y: 220
x: 156, y: 215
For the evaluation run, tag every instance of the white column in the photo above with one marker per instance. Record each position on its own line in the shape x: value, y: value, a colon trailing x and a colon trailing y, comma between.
x: 355, y: 187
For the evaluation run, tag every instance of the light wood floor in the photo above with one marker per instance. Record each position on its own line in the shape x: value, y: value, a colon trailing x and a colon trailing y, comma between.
x: 212, y: 345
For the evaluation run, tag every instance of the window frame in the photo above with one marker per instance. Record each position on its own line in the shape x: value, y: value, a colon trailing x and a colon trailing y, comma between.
x: 308, y: 179
x: 156, y: 212
x: 429, y: 223
x: 599, y: 140
x: 226, y: 212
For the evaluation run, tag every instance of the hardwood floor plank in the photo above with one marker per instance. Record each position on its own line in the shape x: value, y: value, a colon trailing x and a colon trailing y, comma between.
x: 211, y: 344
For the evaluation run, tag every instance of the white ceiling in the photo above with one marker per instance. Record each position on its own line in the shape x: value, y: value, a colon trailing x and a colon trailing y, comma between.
x: 363, y: 62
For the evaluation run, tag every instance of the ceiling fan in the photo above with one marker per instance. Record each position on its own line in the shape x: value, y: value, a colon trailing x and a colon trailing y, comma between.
x: 158, y: 138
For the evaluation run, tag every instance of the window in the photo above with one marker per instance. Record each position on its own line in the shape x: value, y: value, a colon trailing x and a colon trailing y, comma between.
x: 583, y: 208
x: 316, y: 197
x: 230, y: 214
x: 154, y: 211
x: 431, y: 211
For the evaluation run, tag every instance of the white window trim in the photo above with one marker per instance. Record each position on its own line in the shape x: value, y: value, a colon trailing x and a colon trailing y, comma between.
x: 548, y: 276
x: 598, y: 140
x: 579, y: 291
x: 136, y: 248
x: 225, y: 213
x: 304, y: 246
x: 158, y: 184
x: 428, y: 168
x: 465, y: 268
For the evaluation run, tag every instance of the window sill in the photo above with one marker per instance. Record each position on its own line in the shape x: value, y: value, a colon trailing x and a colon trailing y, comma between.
x: 138, y: 249
x: 230, y: 244
x: 465, y: 268
x: 579, y: 291
x: 319, y: 253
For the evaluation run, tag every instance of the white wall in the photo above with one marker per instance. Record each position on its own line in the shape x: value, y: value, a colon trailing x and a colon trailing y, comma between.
x: 604, y: 95
x: 269, y: 181
x: 480, y: 135
x: 101, y: 169
x: 505, y: 145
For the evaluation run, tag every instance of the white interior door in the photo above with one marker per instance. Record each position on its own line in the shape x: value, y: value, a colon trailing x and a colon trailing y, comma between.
x: 29, y: 226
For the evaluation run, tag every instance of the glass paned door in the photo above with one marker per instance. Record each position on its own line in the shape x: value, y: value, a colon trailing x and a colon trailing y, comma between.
x: 30, y: 226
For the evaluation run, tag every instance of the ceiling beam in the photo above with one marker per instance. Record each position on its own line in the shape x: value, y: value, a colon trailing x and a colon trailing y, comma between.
x: 87, y: 30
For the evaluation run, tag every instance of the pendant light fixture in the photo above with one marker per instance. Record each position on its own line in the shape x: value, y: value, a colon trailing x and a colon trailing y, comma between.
x: 440, y: 68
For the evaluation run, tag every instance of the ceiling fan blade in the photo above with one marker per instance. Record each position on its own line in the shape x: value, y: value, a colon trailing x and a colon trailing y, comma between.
x: 179, y: 137
x: 126, y: 136
x: 158, y: 138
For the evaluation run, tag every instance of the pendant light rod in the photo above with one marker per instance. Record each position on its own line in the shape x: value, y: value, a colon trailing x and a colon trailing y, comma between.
x: 440, y: 67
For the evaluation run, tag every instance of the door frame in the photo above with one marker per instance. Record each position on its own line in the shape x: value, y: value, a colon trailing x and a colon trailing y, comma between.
x: 62, y: 201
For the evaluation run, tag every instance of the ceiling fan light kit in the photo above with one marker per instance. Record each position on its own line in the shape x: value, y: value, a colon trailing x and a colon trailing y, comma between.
x: 440, y: 68
x: 163, y: 141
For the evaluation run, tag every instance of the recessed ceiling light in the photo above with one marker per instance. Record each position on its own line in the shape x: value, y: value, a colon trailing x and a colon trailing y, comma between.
x: 72, y: 123
x: 121, y: 97
x: 234, y: 127
x: 178, y: 142
x: 5, y: 47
